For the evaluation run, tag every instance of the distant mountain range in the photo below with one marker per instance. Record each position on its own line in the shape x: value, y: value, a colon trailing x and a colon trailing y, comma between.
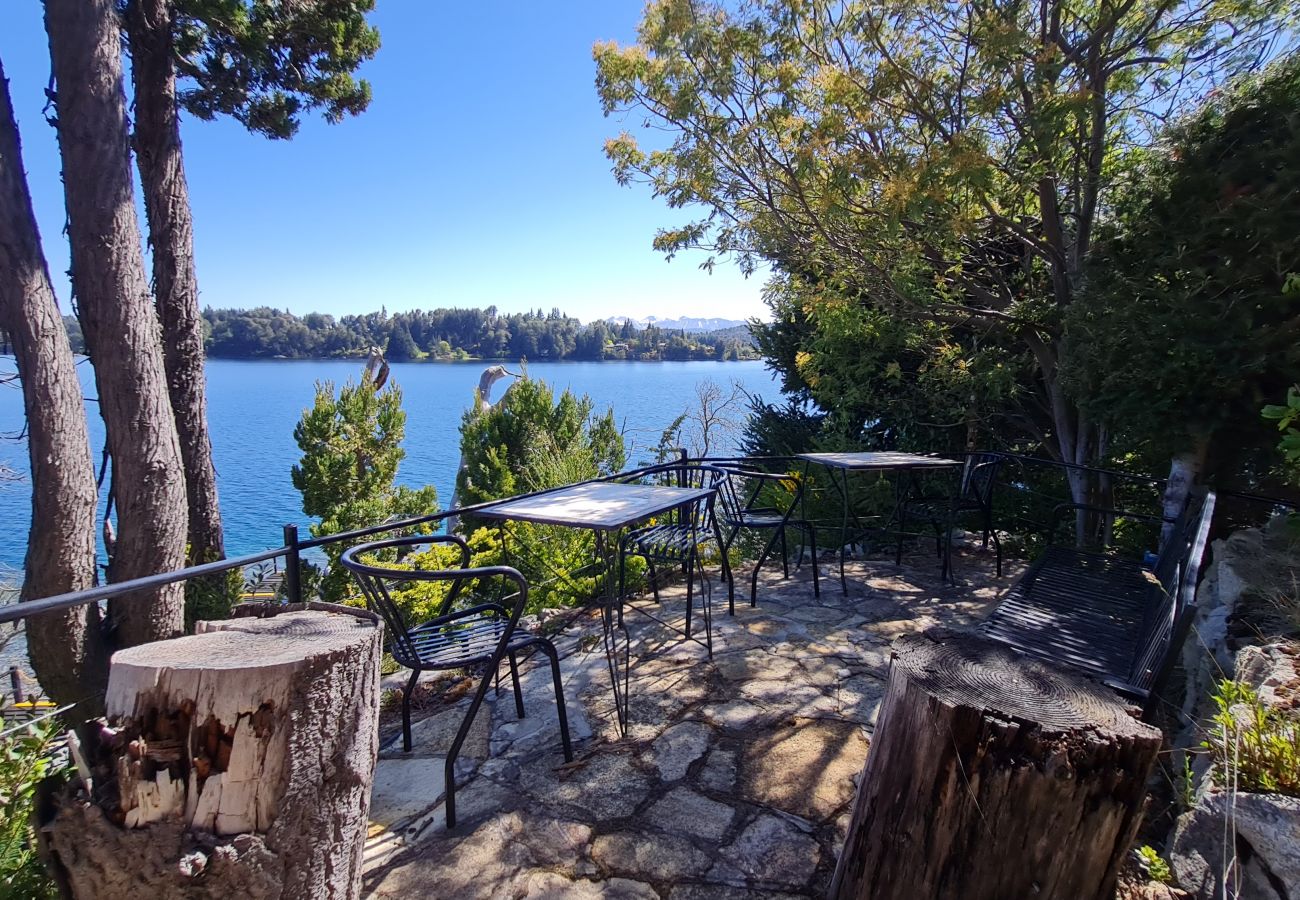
x: 685, y: 323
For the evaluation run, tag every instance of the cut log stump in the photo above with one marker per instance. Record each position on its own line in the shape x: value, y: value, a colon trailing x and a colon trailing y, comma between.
x: 233, y: 763
x: 993, y: 776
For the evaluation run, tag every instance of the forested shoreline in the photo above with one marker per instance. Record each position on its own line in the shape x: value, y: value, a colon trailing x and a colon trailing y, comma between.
x: 450, y: 334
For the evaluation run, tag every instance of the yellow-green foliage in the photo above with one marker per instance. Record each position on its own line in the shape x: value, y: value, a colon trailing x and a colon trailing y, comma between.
x: 1156, y: 868
x: 1256, y: 746
x: 24, y: 761
x: 420, y: 601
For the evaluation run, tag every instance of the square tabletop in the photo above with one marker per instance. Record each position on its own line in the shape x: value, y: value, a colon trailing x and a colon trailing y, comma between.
x: 879, y: 460
x: 598, y: 505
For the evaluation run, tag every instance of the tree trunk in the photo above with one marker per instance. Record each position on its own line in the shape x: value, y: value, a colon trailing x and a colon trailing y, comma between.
x: 119, y: 322
x: 1184, y: 469
x: 171, y: 234
x: 993, y: 776
x: 64, y: 648
x: 243, y: 754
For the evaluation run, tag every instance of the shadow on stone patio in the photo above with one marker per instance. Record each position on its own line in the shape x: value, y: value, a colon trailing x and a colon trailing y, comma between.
x: 737, y: 774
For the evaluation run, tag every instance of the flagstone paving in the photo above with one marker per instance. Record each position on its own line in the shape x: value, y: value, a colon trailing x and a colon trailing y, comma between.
x: 737, y: 774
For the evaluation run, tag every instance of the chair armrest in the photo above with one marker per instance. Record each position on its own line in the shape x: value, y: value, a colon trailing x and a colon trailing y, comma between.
x: 769, y: 477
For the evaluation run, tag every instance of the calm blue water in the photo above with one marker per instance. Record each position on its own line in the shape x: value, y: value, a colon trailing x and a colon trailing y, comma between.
x: 253, y: 407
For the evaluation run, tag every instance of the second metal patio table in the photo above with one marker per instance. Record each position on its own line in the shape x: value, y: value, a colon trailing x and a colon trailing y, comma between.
x: 866, y: 461
x: 604, y: 508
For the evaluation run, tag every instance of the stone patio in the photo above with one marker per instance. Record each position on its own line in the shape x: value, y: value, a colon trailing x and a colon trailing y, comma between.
x: 737, y: 775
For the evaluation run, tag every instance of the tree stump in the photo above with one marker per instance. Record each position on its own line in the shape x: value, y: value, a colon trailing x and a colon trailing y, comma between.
x: 234, y: 763
x: 991, y: 775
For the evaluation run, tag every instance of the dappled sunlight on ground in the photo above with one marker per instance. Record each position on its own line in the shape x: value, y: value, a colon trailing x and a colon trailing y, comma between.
x: 737, y: 773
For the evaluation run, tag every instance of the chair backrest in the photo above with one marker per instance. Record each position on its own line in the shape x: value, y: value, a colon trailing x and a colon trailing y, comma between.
x: 377, y: 582
x: 1174, y: 596
x: 739, y: 493
x: 687, y: 474
x: 979, y: 474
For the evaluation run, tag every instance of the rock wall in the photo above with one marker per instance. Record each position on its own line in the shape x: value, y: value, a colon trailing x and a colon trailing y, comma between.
x: 1235, y: 844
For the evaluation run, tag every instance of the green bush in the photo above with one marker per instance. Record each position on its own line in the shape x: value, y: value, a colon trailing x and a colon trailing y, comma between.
x: 1256, y: 747
x: 351, y: 449
x: 211, y: 598
x: 530, y: 441
x: 25, y: 760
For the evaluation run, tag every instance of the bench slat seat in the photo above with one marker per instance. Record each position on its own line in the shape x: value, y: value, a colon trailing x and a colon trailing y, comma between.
x: 1106, y: 615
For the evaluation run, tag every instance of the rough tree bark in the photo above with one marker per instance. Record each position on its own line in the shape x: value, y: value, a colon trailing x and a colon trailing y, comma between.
x: 1184, y: 470
x: 236, y: 762
x: 64, y: 648
x: 117, y: 317
x: 171, y: 234
x: 992, y: 776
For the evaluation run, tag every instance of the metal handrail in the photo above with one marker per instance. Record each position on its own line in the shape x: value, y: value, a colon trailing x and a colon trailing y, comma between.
x: 290, y: 551
x: 293, y: 547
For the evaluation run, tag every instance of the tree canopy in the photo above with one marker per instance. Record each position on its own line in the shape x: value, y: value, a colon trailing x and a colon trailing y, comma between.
x: 944, y: 164
x: 1191, y: 317
x: 455, y: 334
x: 264, y: 63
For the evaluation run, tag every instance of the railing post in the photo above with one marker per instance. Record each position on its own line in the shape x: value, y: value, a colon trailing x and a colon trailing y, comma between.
x: 292, y: 565
x: 16, y: 682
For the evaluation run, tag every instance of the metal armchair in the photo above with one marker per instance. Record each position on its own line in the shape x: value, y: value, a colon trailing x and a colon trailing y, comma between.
x: 679, y: 538
x: 739, y: 496
x: 974, y: 495
x: 480, y: 633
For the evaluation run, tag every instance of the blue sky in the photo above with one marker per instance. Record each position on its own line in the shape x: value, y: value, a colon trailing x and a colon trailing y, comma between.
x: 476, y: 177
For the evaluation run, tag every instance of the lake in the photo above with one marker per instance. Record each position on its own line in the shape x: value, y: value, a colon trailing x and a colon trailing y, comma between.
x: 253, y: 407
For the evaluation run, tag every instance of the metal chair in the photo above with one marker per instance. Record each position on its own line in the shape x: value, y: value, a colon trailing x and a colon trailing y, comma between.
x: 974, y: 495
x: 483, y: 632
x: 738, y: 496
x: 678, y: 538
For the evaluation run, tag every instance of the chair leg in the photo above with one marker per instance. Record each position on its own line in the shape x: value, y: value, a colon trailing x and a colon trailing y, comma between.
x: 706, y: 597
x: 997, y: 551
x: 690, y: 585
x: 726, y: 546
x: 549, y: 649
x: 654, y: 579
x: 812, y: 540
x: 622, y: 582
x: 762, y: 557
x: 902, y: 530
x: 947, y: 550
x: 785, y: 555
x: 519, y: 694
x: 449, y: 769
x: 727, y: 575
x: 991, y: 532
x: 406, y: 711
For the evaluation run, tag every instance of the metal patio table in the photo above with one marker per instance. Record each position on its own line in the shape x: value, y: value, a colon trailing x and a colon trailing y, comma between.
x: 867, y: 461
x: 604, y: 508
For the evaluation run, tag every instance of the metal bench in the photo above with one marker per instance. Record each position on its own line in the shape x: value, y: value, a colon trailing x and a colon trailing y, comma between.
x: 1108, y: 616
